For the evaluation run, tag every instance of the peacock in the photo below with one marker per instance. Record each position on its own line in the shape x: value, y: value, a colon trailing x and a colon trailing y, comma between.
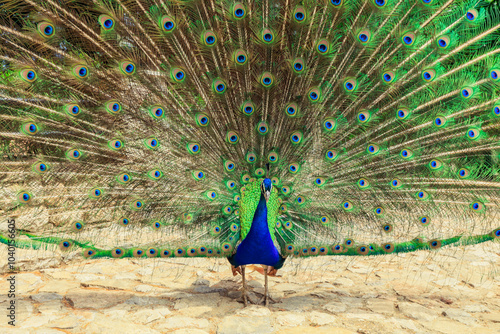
x: 252, y: 130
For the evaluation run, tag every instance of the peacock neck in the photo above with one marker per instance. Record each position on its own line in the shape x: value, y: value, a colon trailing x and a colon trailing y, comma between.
x: 258, y: 246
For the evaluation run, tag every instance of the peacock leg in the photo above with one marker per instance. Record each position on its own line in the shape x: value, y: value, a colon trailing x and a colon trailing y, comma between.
x: 266, y: 300
x: 244, y: 289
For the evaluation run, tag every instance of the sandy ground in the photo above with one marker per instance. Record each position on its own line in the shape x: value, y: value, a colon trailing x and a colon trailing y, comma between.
x: 450, y: 291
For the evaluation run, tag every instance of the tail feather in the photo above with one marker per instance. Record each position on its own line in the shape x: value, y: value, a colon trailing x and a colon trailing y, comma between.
x: 137, y: 125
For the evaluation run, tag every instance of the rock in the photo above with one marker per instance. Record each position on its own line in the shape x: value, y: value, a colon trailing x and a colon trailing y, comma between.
x: 102, y: 324
x: 195, y: 311
x: 59, y: 286
x: 298, y: 303
x: 234, y: 294
x: 45, y: 297
x: 417, y: 311
x: 381, y: 306
x: 67, y: 322
x: 254, y: 284
x: 147, y: 300
x: 476, y: 308
x: 245, y: 325
x: 335, y: 307
x: 343, y: 281
x: 206, y: 289
x: 449, y: 281
x: 364, y: 316
x: 405, y: 323
x: 493, y: 317
x: 443, y: 325
x: 254, y: 311
x: 289, y: 319
x: 145, y: 316
x: 352, y: 302
x: 143, y: 288
x: 182, y: 322
x: 316, y: 330
x: 201, y: 281
x: 189, y: 331
x: 95, y: 299
x: 209, y: 299
x: 35, y: 321
x: 27, y: 282
x: 113, y: 284
x: 320, y: 319
x: 84, y: 278
x: 460, y: 315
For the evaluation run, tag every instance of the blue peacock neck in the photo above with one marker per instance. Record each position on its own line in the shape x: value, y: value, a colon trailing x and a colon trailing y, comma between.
x: 258, y: 246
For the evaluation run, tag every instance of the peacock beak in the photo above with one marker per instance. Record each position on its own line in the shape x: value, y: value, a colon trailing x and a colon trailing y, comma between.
x: 267, y: 194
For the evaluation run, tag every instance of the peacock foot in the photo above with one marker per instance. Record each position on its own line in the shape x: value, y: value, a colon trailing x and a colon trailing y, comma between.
x: 236, y: 270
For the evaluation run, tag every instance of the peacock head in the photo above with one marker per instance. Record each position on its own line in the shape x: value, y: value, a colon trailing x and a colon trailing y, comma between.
x: 266, y: 188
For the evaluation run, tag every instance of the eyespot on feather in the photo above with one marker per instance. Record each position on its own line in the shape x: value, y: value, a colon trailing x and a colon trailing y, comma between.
x: 29, y: 128
x: 151, y: 143
x: 298, y: 65
x: 336, y: 3
x: 331, y: 155
x: 322, y: 46
x: 406, y: 153
x: 177, y: 74
x: 350, y: 84
x: 65, y: 245
x: 113, y: 107
x: 429, y: 74
x: 239, y: 11
x: 248, y: 108
x: 24, y: 197
x: 296, y: 137
x: 314, y: 94
x: 291, y: 109
x: 115, y: 144
x: 294, y: 168
x: 240, y: 57
x: 74, y: 154
x: 364, y: 116
x: 28, y: 75
x: 463, y: 173
x: 408, y: 39
x: 167, y: 24
x: 229, y: 166
x: 435, y: 164
x: 107, y: 23
x: 267, y: 79
x: 127, y: 67
x: 193, y: 148
x: 267, y: 36
x: 262, y: 128
x: 40, y: 167
x: 208, y: 38
x: 364, y: 36
x: 373, y: 149
x: 379, y: 211
x: 232, y: 137
x: 260, y: 171
x: 46, y: 29
x: 73, y: 109
x: 403, y: 113
x: 273, y: 157
x: 219, y: 86
x: 443, y: 42
x: 299, y: 14
x: 80, y: 71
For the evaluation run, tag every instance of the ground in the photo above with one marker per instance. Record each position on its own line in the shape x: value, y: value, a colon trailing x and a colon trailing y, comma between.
x: 450, y: 291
